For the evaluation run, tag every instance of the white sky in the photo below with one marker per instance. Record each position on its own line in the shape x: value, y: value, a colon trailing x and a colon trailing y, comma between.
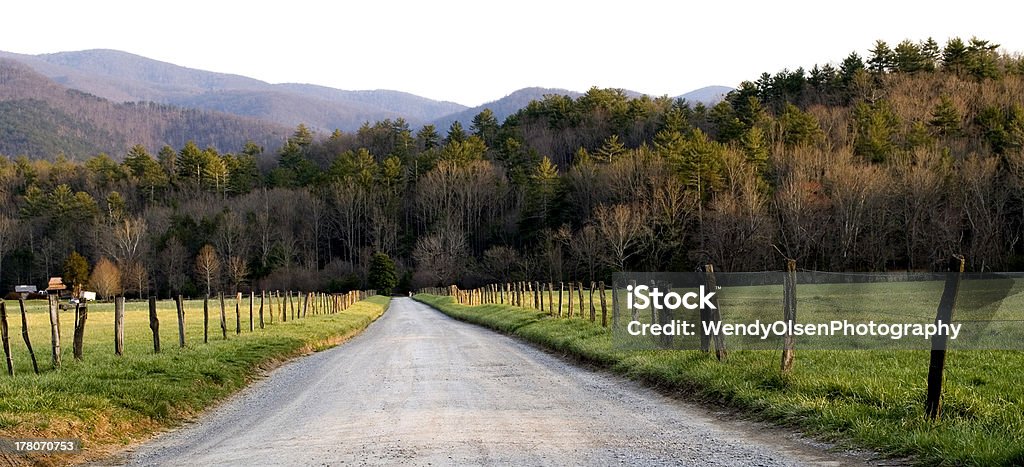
x: 476, y: 51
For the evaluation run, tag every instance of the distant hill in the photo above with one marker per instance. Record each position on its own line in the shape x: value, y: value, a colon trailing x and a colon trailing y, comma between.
x: 41, y: 118
x: 124, y: 77
x: 511, y: 103
x: 708, y: 95
x: 502, y: 108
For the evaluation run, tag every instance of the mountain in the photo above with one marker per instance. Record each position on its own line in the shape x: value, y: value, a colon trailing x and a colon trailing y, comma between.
x: 502, y: 108
x: 41, y: 118
x: 708, y: 95
x: 124, y: 77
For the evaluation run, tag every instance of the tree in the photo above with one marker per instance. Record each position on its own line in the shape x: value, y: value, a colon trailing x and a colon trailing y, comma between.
x: 908, y: 57
x: 622, y: 227
x: 946, y: 118
x: 882, y: 58
x: 135, y: 277
x: 610, y: 149
x: 485, y: 126
x: 207, y: 266
x: 382, y: 274
x: 876, y: 126
x: 76, y: 270
x: 106, y: 278
x: 238, y: 271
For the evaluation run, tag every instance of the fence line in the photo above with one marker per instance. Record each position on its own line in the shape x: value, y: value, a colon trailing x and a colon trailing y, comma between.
x: 526, y: 294
x: 300, y: 307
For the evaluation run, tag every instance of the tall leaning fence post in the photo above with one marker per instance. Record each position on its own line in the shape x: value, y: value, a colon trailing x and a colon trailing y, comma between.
x: 24, y: 334
x: 944, y: 315
x: 154, y: 324
x: 789, y: 314
x: 54, y: 304
x: 5, y: 337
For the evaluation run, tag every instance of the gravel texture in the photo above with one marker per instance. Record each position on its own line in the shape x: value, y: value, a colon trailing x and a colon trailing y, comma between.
x: 420, y: 388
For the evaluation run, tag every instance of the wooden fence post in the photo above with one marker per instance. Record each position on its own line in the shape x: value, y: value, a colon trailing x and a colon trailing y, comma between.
x: 561, y: 291
x: 206, y: 320
x: 119, y: 326
x: 579, y: 291
x: 238, y: 313
x: 568, y: 313
x: 74, y: 330
x: 615, y: 309
x: 551, y: 301
x: 24, y: 334
x: 5, y: 338
x: 263, y: 295
x: 789, y: 314
x: 593, y: 311
x: 604, y: 307
x: 81, y: 315
x: 154, y: 324
x: 181, y: 323
x: 944, y: 315
x: 54, y: 302
x: 633, y: 312
x: 715, y: 314
x: 252, y: 300
x: 541, y: 287
x: 223, y: 316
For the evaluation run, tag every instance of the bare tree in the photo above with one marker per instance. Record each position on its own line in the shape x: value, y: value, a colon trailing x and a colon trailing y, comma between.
x: 208, y: 266
x: 238, y: 272
x: 174, y: 259
x: 585, y: 247
x: 127, y: 240
x: 441, y: 257
x: 106, y: 278
x: 231, y: 235
x: 134, y: 277
x: 622, y: 226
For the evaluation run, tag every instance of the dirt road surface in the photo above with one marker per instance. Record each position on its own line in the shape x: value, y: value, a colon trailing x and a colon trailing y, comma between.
x: 420, y: 388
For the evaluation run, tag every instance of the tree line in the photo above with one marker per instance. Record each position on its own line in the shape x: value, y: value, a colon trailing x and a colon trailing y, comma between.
x: 895, y: 161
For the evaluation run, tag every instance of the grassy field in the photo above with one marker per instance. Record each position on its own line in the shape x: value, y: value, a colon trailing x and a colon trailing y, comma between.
x: 856, y: 398
x: 109, y: 401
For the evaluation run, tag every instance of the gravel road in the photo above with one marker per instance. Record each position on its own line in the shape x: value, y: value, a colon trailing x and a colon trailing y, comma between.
x: 420, y: 388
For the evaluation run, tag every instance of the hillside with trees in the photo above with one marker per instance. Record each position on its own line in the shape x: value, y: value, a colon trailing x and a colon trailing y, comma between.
x: 124, y: 77
x: 891, y: 161
x: 40, y: 118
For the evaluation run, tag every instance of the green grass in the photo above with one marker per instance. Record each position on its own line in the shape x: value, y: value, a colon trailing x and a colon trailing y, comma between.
x: 108, y: 401
x: 856, y: 398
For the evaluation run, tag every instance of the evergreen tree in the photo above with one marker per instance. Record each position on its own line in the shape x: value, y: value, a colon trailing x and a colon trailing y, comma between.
x: 882, y: 58
x: 610, y: 149
x: 76, y: 270
x: 946, y: 119
x: 382, y: 275
x: 485, y: 126
x: 876, y: 126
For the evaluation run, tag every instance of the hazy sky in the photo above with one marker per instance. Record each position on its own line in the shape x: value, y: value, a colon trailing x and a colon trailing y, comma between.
x: 478, y: 50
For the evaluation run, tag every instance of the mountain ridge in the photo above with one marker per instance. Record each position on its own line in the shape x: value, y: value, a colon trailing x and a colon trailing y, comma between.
x: 42, y: 118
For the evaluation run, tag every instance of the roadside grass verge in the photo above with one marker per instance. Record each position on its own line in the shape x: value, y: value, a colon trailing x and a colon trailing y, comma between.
x: 859, y: 399
x: 109, y: 401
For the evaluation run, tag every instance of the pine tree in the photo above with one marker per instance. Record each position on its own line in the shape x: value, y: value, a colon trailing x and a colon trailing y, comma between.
x: 610, y: 150
x: 882, y: 58
x: 382, y: 275
x: 946, y: 119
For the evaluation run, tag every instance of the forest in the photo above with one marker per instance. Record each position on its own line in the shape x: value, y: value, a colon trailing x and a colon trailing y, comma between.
x: 891, y: 161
